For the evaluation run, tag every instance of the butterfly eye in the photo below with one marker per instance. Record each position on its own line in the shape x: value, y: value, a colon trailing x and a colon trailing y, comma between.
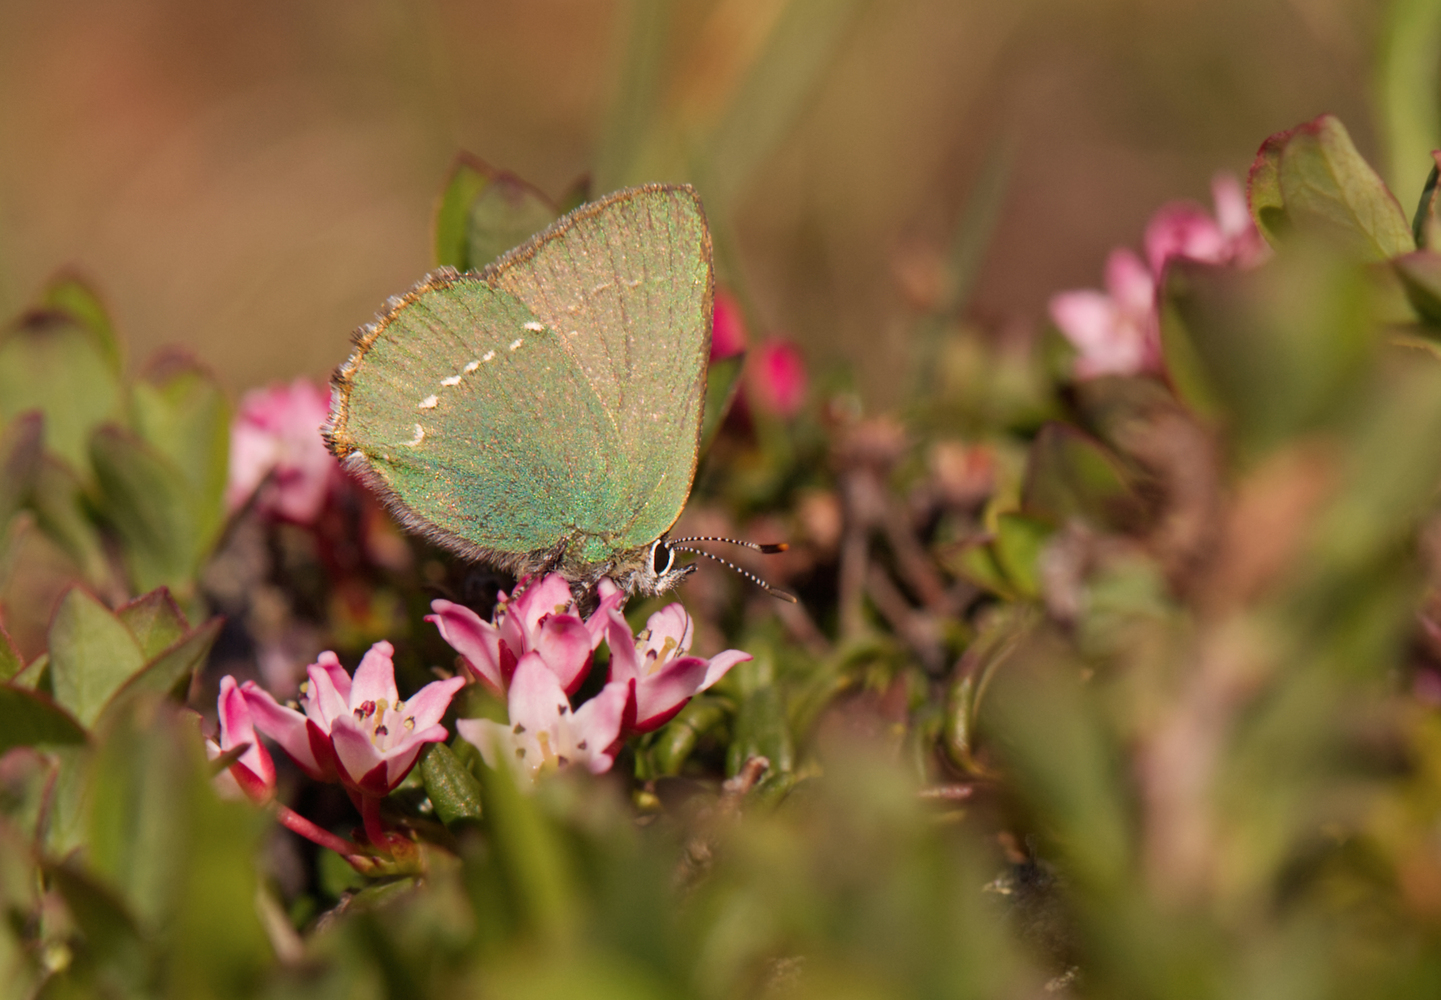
x: 662, y: 558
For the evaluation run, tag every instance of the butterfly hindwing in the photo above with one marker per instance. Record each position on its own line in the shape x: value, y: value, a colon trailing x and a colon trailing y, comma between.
x: 447, y: 404
x: 553, y: 399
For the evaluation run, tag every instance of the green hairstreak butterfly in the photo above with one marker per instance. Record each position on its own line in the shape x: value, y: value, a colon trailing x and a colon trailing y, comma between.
x: 544, y: 414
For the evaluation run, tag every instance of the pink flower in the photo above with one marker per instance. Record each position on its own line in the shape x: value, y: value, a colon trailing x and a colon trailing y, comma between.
x: 253, y: 771
x: 541, y: 618
x: 728, y: 328
x: 543, y: 732
x: 1114, y: 332
x: 1183, y: 229
x: 275, y: 446
x: 778, y: 378
x: 357, y: 732
x: 1117, y: 332
x: 655, y: 670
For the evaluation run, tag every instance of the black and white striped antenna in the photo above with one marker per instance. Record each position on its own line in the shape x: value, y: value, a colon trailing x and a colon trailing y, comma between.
x: 769, y: 548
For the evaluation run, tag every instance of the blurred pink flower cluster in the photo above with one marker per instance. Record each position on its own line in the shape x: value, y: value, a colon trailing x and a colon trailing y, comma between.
x: 1117, y: 332
x: 537, y: 653
x: 776, y: 371
x: 276, y: 449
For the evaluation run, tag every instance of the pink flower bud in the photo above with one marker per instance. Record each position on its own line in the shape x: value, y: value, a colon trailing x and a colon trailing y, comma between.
x: 778, y: 378
x: 253, y: 771
x: 728, y: 328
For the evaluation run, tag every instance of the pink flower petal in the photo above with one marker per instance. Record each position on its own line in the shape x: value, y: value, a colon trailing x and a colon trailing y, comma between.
x: 283, y: 725
x: 536, y: 697
x: 1131, y: 287
x: 399, y: 760
x: 1183, y: 229
x: 550, y: 596
x: 563, y: 642
x: 661, y: 695
x: 597, y: 726
x: 625, y: 660
x: 491, y: 738
x: 473, y: 638
x: 670, y: 628
x: 611, y: 599
x: 237, y: 727
x: 1232, y: 214
x: 276, y: 434
x: 428, y: 705
x: 1086, y: 318
x: 354, y: 752
x: 375, y: 677
x: 325, y: 699
x: 720, y: 665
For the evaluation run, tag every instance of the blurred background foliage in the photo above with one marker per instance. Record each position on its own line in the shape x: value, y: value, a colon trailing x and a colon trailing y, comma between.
x: 1123, y: 686
x: 252, y: 180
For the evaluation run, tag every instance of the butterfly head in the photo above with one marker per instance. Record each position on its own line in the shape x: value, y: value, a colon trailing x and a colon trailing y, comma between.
x: 649, y: 570
x: 656, y: 571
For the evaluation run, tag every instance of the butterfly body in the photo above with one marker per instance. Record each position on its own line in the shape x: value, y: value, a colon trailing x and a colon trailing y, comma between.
x: 544, y: 414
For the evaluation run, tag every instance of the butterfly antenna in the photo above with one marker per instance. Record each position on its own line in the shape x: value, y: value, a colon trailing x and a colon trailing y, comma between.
x: 773, y: 591
x: 769, y: 548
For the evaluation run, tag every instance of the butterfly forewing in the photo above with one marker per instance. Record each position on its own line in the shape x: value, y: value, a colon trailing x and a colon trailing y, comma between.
x: 626, y: 284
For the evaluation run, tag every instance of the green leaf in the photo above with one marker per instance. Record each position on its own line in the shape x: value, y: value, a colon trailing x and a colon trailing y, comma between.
x: 50, y: 362
x: 62, y: 510
x: 468, y: 177
x: 723, y: 380
x: 112, y: 937
x: 974, y: 560
x: 1263, y: 188
x: 529, y: 854
x: 218, y: 944
x: 137, y: 824
x: 69, y: 294
x: 453, y: 790
x: 761, y: 728
x: 1420, y: 275
x: 21, y: 446
x: 1000, y: 634
x: 1049, y: 729
x: 1271, y: 351
x: 10, y: 661
x: 179, y: 410
x: 92, y: 654
x: 1408, y: 83
x: 1070, y: 475
x: 155, y: 620
x: 171, y: 671
x: 484, y: 212
x: 1326, y: 188
x: 33, y: 676
x: 505, y: 214
x: 775, y: 92
x: 1425, y: 223
x: 1017, y: 548
x: 29, y: 719
x: 679, y: 737
x: 146, y: 498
